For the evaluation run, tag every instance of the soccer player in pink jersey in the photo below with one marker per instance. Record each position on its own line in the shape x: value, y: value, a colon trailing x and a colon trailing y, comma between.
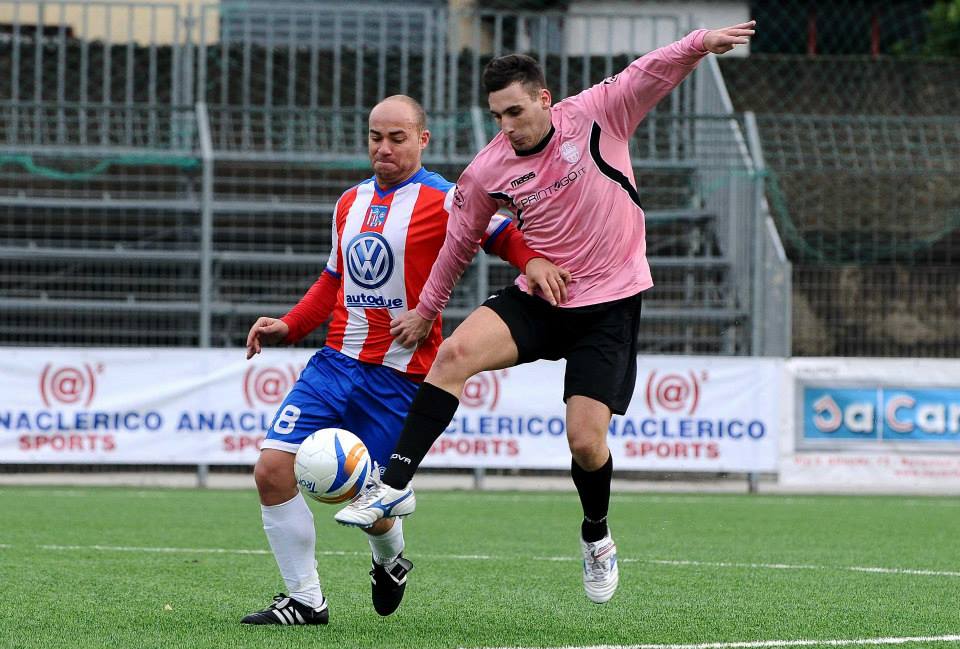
x: 386, y: 234
x: 564, y: 171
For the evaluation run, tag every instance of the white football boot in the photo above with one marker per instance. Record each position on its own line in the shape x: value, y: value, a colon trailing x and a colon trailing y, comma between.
x: 601, y: 574
x: 376, y: 501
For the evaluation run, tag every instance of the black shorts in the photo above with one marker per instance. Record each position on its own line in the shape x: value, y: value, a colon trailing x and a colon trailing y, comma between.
x: 599, y: 342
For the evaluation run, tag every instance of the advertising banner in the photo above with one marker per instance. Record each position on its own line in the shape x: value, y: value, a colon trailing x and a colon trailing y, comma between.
x: 146, y: 406
x: 183, y: 406
x: 888, y: 424
x: 687, y: 414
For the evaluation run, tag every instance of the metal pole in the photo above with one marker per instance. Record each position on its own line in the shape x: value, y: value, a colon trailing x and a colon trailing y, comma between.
x: 482, y: 261
x: 206, y: 223
x: 206, y: 245
x: 752, y: 482
x: 203, y: 475
x: 757, y: 342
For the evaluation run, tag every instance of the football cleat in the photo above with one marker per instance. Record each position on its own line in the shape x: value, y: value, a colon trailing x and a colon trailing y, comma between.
x: 388, y: 583
x: 600, y: 571
x: 286, y: 610
x: 376, y: 501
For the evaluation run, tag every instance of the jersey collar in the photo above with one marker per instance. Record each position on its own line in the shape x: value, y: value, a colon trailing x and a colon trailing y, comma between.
x: 541, y: 145
x: 382, y: 193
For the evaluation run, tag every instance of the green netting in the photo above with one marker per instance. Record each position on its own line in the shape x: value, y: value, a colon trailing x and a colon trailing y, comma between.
x: 862, y: 246
x: 28, y: 164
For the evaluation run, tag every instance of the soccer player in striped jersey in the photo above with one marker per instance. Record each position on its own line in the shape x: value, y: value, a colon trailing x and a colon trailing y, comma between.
x: 565, y: 173
x: 386, y: 234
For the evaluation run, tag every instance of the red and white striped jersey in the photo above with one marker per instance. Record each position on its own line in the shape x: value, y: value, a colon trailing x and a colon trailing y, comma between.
x: 384, y: 244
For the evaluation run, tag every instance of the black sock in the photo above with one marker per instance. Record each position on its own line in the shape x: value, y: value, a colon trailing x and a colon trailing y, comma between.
x: 430, y: 413
x: 594, y: 490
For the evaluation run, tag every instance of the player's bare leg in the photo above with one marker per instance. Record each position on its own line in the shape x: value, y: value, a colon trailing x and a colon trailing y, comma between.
x: 481, y: 342
x: 274, y: 476
x: 587, y: 423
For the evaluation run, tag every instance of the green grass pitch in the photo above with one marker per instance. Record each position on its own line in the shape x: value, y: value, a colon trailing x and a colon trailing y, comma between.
x: 166, y: 568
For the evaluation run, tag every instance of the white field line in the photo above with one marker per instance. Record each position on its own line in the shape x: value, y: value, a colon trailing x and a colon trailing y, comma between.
x: 130, y: 548
x: 620, y: 498
x: 718, y: 499
x: 322, y: 553
x: 489, y: 557
x: 764, y: 644
x: 787, y: 566
x: 113, y: 492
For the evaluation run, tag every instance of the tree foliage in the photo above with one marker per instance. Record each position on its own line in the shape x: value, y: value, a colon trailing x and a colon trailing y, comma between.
x: 943, y: 38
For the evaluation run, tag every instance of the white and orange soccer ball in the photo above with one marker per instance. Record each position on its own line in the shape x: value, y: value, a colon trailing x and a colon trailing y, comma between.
x: 332, y: 465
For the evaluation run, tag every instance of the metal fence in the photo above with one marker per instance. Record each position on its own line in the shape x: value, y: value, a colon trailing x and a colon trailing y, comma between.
x: 165, y: 185
x: 858, y: 110
x: 869, y: 209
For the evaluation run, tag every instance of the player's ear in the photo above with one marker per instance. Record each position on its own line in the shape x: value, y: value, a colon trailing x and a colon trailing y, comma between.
x: 545, y: 98
x: 424, y: 139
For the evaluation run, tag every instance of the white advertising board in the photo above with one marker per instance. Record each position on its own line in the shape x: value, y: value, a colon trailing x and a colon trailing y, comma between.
x: 179, y: 406
x: 687, y: 414
x: 156, y: 406
x: 880, y: 424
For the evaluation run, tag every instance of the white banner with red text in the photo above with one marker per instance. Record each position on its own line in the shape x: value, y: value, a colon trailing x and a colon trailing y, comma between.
x: 687, y: 414
x: 188, y: 406
x: 140, y: 406
x: 882, y: 424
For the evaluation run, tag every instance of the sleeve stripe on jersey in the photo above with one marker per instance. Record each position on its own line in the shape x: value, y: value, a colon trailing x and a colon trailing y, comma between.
x: 607, y: 169
x: 488, y: 244
x: 434, y: 180
x: 335, y: 274
x: 500, y: 196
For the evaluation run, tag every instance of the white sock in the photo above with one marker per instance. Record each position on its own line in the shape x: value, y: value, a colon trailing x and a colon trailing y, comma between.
x: 289, y: 528
x: 387, y: 547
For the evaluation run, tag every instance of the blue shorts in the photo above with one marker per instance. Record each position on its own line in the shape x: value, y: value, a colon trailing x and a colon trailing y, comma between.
x: 336, y: 391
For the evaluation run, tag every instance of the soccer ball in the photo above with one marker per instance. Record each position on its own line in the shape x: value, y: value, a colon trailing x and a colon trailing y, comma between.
x: 332, y: 465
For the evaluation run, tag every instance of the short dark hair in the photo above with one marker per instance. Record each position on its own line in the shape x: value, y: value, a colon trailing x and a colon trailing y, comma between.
x: 504, y: 70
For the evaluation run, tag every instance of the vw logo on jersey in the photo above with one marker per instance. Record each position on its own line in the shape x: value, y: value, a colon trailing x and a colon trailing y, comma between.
x: 369, y: 260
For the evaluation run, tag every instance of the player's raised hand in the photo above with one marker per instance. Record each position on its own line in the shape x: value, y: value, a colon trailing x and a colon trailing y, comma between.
x: 265, y: 331
x: 723, y: 40
x: 409, y: 329
x: 549, y: 278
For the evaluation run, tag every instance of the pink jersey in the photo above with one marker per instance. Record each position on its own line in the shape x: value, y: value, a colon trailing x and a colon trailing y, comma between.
x: 384, y: 245
x: 575, y: 199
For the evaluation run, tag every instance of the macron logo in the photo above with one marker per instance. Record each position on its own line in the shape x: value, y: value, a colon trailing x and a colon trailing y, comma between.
x: 395, y: 456
x: 522, y: 179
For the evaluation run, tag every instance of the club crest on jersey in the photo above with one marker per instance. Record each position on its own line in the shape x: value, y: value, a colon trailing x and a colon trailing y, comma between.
x: 369, y: 260
x: 377, y: 215
x: 569, y: 152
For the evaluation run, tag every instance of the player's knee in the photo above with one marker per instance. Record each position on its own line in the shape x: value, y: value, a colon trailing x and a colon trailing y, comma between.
x: 273, y: 484
x: 580, y: 446
x: 263, y: 476
x: 588, y: 450
x: 453, y: 359
x: 584, y: 428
